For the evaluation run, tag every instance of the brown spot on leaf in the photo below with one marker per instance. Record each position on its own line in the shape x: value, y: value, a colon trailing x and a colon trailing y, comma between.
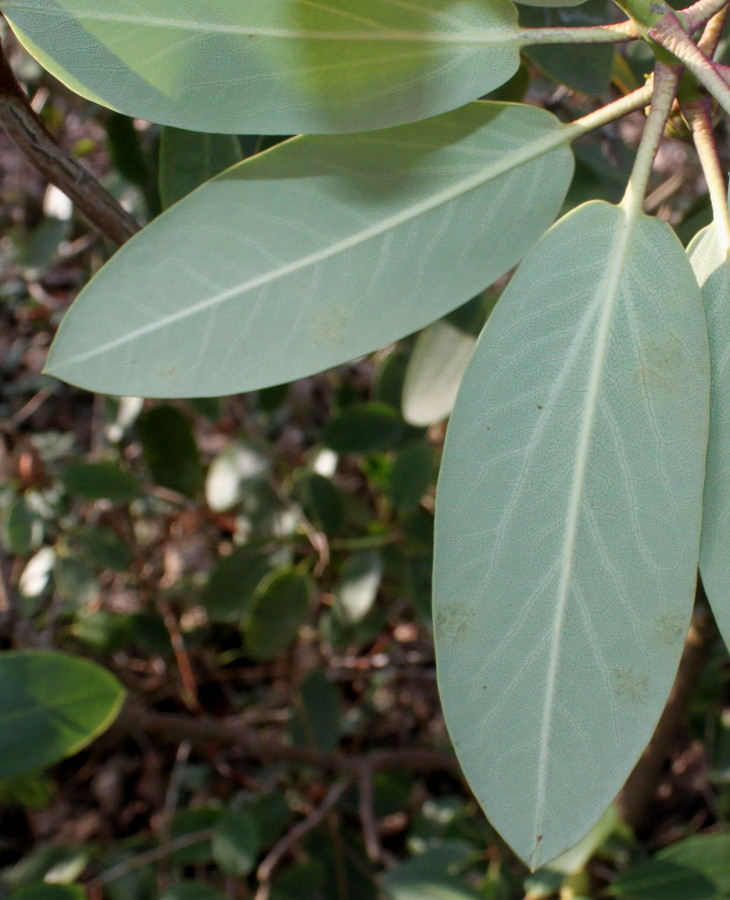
x: 672, y: 628
x: 454, y: 623
x: 660, y: 365
x: 630, y: 685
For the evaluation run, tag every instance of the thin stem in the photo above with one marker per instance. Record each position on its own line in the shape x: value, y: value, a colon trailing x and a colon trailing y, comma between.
x: 670, y: 35
x: 713, y: 32
x: 170, y: 727
x: 587, y: 34
x: 666, y: 80
x: 696, y: 15
x: 612, y: 111
x: 292, y: 838
x: 149, y: 856
x: 699, y: 116
x: 39, y: 147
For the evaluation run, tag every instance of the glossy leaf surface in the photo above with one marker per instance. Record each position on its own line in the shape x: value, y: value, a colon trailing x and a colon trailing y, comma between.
x: 713, y: 274
x: 315, y: 252
x: 51, y: 705
x: 564, y: 575
x: 331, y: 66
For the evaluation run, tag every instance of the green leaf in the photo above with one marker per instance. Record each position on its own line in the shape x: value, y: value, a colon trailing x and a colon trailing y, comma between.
x: 317, y: 713
x: 170, y: 450
x: 100, y: 481
x: 359, y: 584
x: 322, y: 502
x: 427, y: 878
x: 191, y: 890
x: 582, y: 67
x: 435, y: 369
x: 315, y: 252
x: 188, y: 158
x: 50, y: 863
x: 564, y: 577
x: 75, y: 582
x: 51, y: 705
x: 713, y: 274
x: 656, y: 880
x: 364, y: 428
x: 235, y: 473
x: 698, y: 867
x: 22, y: 527
x: 195, y: 822
x: 411, y: 475
x: 280, y: 66
x: 232, y: 584
x: 105, y: 548
x: 43, y: 891
x: 279, y: 608
x: 236, y: 843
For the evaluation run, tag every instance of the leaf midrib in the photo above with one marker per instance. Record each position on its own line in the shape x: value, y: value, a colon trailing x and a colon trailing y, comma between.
x: 551, y: 141
x: 611, y: 283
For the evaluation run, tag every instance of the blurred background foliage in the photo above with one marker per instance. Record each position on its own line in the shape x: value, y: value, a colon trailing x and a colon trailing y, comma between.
x: 255, y: 571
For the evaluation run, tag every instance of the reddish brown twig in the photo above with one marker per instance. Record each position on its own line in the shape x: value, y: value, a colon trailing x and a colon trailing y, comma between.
x: 40, y: 148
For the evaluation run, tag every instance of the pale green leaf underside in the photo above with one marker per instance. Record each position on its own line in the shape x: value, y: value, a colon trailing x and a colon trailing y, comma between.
x: 274, y: 66
x: 713, y: 274
x: 568, y: 523
x: 315, y: 252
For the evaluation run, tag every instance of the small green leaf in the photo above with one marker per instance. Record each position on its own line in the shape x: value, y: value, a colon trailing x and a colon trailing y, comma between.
x: 75, y: 582
x: 564, y: 578
x: 100, y: 481
x: 188, y: 158
x: 234, y: 474
x: 104, y: 548
x: 50, y: 863
x: 697, y: 867
x: 22, y: 527
x: 435, y: 369
x: 427, y: 878
x: 359, y: 585
x: 170, y: 450
x: 281, y: 66
x: 191, y: 890
x: 43, y: 891
x: 273, y: 298
x: 232, y: 583
x: 236, y: 843
x: 364, y: 428
x: 51, y: 705
x: 322, y: 502
x: 412, y: 475
x: 280, y: 606
x: 195, y: 822
x: 317, y: 713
